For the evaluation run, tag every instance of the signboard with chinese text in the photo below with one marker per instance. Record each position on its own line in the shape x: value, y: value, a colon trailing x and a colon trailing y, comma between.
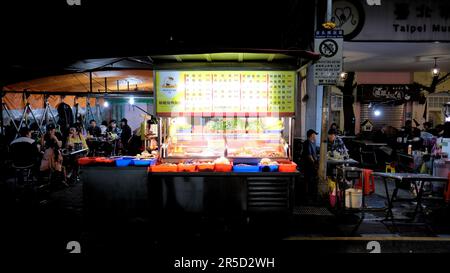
x: 212, y: 93
x: 396, y: 20
x: 329, y: 44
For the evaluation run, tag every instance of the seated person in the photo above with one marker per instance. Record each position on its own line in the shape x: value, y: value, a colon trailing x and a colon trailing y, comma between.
x: 76, y: 140
x: 104, y: 127
x: 113, y: 131
x: 335, y: 143
x: 50, y: 136
x: 52, y: 161
x: 24, y: 150
x: 94, y: 130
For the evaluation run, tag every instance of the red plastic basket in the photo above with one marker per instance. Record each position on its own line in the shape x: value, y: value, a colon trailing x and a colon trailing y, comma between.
x: 187, y: 168
x: 287, y: 168
x: 223, y: 167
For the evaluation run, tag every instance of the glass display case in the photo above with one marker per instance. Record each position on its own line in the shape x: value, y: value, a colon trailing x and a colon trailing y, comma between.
x: 231, y: 137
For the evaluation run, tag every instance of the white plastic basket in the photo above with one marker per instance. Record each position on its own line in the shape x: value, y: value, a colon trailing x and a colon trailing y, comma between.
x: 353, y: 198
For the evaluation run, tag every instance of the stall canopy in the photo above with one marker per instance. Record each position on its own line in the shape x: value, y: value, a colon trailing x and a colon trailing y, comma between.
x: 91, y: 80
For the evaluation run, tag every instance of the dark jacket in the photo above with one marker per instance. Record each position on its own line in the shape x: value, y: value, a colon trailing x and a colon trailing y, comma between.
x: 24, y: 152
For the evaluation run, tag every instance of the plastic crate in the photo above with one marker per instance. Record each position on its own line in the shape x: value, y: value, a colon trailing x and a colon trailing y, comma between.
x: 83, y: 161
x: 205, y: 167
x: 268, y: 168
x: 287, y: 168
x: 223, y: 167
x: 144, y: 162
x: 246, y: 168
x: 189, y: 168
x: 162, y: 168
x: 123, y: 162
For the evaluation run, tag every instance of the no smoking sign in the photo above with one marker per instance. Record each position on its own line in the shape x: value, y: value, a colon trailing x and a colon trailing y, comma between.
x: 329, y: 44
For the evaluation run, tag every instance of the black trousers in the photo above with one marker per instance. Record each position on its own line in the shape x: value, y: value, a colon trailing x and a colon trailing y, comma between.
x: 311, y: 180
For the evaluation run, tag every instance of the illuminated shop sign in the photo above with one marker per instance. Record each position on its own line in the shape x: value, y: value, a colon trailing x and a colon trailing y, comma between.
x: 209, y: 93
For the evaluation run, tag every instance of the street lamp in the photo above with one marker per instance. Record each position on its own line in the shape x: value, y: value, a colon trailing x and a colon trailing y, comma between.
x: 435, y: 71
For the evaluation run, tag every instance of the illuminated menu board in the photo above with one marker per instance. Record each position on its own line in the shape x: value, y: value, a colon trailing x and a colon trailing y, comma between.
x: 209, y: 93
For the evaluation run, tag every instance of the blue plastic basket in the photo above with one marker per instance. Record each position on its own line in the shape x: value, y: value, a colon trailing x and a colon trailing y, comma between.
x: 123, y: 162
x: 144, y: 162
x: 268, y: 168
x: 246, y: 169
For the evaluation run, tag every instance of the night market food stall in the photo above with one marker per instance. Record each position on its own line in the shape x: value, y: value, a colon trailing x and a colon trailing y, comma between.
x: 225, y: 138
x: 224, y: 143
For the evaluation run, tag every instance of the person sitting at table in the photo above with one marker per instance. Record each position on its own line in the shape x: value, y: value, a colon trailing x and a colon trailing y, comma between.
x: 113, y: 131
x: 93, y: 130
x: 52, y: 162
x: 335, y: 143
x: 76, y: 139
x: 335, y: 128
x: 24, y: 150
x: 50, y: 136
x: 104, y: 127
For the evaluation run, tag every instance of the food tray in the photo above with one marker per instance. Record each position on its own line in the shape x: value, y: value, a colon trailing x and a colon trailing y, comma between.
x: 287, y: 168
x: 268, y: 168
x: 162, y: 168
x: 246, y: 169
x: 144, y: 162
x: 86, y: 161
x: 187, y: 167
x: 104, y: 161
x: 246, y: 160
x: 123, y: 162
x: 223, y: 167
x: 205, y: 167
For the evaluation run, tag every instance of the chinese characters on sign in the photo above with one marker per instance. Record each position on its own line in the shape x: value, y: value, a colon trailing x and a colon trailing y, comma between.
x: 406, y: 20
x: 329, y: 44
x: 231, y: 92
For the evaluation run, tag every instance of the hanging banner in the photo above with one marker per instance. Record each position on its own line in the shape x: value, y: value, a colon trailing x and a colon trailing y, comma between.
x: 367, y: 93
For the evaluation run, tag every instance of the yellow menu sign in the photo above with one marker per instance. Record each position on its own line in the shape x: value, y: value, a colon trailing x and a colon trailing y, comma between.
x: 209, y: 93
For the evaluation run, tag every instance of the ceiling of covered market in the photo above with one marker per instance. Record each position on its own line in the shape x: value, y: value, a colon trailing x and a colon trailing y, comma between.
x: 395, y: 56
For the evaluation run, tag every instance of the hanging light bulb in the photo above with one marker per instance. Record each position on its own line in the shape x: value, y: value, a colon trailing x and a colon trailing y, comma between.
x: 343, y: 75
x: 105, y: 104
x: 435, y: 71
x: 131, y: 101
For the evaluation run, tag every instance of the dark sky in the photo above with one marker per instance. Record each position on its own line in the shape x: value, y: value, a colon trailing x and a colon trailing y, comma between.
x: 50, y: 32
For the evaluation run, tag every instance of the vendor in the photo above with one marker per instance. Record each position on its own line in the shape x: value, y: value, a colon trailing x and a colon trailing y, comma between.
x: 335, y: 143
x: 125, y: 136
x: 310, y: 164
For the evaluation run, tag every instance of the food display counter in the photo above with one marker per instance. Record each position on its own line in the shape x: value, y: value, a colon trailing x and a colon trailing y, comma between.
x: 225, y: 148
x: 226, y: 139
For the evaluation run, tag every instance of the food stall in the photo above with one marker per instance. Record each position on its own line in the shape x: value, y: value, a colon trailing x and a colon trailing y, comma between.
x: 225, y: 139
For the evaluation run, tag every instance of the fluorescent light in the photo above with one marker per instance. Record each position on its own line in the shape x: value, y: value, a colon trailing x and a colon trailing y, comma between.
x: 106, y: 104
x: 377, y: 113
x: 131, y: 101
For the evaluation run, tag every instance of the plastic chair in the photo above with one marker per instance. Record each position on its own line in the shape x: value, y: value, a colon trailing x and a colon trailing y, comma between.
x: 390, y: 168
x: 369, y: 182
x: 23, y: 174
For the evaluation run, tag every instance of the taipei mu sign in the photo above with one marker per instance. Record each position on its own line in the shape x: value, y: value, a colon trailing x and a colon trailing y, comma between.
x: 329, y: 44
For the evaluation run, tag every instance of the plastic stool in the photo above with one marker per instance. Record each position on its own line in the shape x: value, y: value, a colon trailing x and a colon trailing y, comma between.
x: 369, y: 182
x: 390, y: 168
x: 447, y: 190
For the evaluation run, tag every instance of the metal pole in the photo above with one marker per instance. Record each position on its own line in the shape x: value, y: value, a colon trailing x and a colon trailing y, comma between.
x: 90, y: 82
x: 106, y: 84
x: 323, y: 183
